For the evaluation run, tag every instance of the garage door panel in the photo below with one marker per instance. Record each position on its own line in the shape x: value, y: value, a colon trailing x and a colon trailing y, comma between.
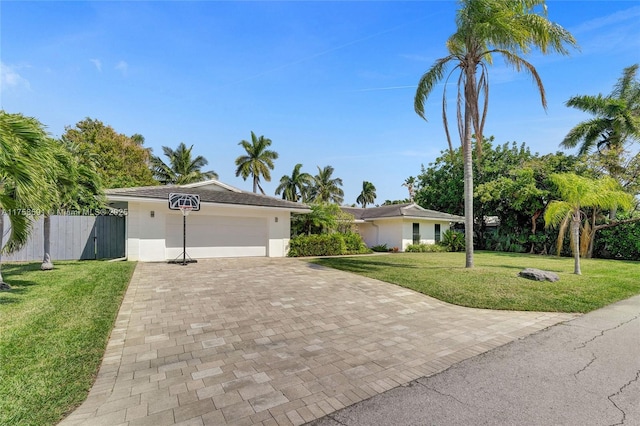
x: 217, y: 236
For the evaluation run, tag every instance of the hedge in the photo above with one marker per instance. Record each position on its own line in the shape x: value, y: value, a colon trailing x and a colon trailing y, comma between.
x: 326, y: 245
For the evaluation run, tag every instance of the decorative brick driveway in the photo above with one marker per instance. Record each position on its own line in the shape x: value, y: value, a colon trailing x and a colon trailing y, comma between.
x: 276, y: 342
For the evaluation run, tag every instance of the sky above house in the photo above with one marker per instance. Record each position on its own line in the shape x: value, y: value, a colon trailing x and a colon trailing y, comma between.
x: 329, y: 82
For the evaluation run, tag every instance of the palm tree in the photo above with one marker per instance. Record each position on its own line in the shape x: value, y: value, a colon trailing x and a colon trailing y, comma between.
x: 616, y: 121
x: 25, y: 177
x: 368, y: 194
x: 326, y: 189
x: 77, y: 185
x: 410, y: 183
x: 182, y: 168
x: 294, y: 187
x: 258, y: 161
x: 486, y: 28
x: 578, y: 192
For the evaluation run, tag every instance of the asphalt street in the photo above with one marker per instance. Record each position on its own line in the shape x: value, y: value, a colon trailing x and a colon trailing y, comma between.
x: 584, y: 371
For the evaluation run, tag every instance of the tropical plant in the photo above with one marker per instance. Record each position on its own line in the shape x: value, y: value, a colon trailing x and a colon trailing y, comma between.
x: 257, y: 162
x: 616, y: 121
x: 367, y: 195
x: 453, y: 240
x: 486, y: 28
x: 410, y: 183
x: 182, y: 168
x: 326, y: 188
x: 77, y: 185
x: 296, y: 186
x: 25, y: 177
x: 576, y: 193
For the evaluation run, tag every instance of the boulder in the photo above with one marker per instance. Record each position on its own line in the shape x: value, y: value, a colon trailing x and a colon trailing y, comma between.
x: 539, y: 275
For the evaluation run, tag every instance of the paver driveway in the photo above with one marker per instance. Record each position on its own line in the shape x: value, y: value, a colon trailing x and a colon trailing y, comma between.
x: 276, y: 342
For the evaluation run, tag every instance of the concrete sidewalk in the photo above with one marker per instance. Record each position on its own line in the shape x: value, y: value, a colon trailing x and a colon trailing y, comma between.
x: 276, y: 342
x: 582, y: 372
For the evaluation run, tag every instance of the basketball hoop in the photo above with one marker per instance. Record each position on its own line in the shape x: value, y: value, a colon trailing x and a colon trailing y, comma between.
x: 186, y: 203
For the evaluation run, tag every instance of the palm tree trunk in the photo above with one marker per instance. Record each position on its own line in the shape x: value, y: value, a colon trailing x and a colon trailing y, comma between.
x: 468, y: 168
x: 575, y: 229
x: 47, y: 265
x: 255, y: 184
x: 3, y: 285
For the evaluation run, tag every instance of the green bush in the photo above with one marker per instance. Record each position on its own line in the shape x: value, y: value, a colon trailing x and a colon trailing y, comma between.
x: 618, y: 242
x: 317, y: 245
x: 453, y: 240
x: 326, y: 245
x: 425, y: 248
x: 354, y: 243
x: 381, y: 248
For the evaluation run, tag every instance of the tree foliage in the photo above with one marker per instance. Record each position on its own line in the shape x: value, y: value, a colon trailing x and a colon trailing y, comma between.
x: 367, y: 195
x: 257, y: 162
x: 326, y: 188
x: 26, y: 177
x: 577, y: 192
x: 485, y: 28
x: 182, y: 168
x: 295, y: 187
x: 513, y: 184
x: 120, y: 160
x: 616, y: 120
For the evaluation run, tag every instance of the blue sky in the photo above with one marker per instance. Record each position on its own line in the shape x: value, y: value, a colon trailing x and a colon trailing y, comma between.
x: 330, y: 83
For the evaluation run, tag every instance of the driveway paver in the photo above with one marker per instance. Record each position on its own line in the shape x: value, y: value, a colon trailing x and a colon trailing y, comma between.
x: 276, y: 342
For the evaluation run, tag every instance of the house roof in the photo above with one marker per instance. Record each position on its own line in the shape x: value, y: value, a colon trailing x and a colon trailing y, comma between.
x: 210, y: 192
x: 407, y: 210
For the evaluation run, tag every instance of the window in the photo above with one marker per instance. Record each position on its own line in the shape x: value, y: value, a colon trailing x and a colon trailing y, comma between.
x: 437, y: 232
x: 416, y: 233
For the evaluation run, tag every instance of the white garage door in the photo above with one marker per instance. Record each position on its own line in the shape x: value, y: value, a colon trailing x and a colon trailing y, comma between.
x: 217, y: 236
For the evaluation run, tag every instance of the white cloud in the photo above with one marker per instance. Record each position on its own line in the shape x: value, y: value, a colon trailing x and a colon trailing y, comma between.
x: 97, y: 64
x: 609, y: 20
x: 122, y: 66
x: 9, y: 77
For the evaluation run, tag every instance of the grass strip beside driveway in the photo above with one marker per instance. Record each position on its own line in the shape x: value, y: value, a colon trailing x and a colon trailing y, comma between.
x: 54, y: 328
x: 494, y: 283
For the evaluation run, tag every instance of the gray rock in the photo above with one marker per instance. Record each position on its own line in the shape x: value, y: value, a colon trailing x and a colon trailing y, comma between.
x: 539, y: 275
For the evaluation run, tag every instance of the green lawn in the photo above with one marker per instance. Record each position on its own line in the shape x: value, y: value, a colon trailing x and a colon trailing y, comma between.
x: 54, y: 327
x: 494, y: 283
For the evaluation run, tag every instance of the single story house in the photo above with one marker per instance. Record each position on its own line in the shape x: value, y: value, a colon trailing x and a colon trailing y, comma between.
x: 399, y: 225
x: 230, y: 222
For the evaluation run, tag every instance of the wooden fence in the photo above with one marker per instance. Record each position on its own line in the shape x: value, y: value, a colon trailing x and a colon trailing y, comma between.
x: 73, y: 238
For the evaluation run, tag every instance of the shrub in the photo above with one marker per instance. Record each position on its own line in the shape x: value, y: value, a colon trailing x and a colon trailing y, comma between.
x: 618, y: 242
x: 354, y: 243
x: 425, y: 248
x: 453, y: 240
x: 327, y: 245
x: 381, y: 248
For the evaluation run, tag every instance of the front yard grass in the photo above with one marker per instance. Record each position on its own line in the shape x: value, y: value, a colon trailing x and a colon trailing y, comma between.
x: 54, y: 327
x: 494, y: 283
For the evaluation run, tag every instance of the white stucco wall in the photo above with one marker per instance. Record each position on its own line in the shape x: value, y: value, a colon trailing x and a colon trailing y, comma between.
x: 399, y: 232
x: 214, y: 231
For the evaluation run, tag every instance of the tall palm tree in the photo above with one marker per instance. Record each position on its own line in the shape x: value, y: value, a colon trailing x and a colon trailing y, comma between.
x: 368, y: 194
x: 294, y: 187
x: 182, y: 168
x: 578, y: 192
x: 616, y: 121
x: 258, y: 161
x: 485, y: 28
x: 25, y: 177
x: 326, y: 188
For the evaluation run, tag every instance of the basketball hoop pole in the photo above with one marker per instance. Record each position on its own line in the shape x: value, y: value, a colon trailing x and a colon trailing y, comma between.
x: 184, y: 236
x: 185, y: 203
